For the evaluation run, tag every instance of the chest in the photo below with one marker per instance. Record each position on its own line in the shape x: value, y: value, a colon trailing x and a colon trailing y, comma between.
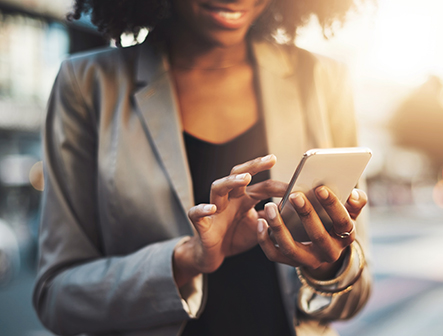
x: 217, y: 105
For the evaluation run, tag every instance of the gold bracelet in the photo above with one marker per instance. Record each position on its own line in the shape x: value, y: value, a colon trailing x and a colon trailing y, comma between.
x: 337, y: 291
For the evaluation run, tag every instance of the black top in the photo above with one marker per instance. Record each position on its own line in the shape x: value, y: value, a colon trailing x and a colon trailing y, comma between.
x: 243, y: 294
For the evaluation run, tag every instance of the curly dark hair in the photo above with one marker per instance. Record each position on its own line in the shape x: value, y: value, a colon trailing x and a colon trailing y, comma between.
x: 114, y: 17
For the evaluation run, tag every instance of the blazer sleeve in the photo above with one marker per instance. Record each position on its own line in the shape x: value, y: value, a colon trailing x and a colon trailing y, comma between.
x: 336, y: 87
x: 79, y: 289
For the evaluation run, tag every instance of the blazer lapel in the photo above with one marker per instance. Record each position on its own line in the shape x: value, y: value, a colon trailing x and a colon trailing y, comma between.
x: 159, y: 115
x: 284, y: 120
x: 295, y: 120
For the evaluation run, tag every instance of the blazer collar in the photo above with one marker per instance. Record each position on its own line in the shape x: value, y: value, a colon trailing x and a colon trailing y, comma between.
x: 274, y: 58
x: 151, y: 63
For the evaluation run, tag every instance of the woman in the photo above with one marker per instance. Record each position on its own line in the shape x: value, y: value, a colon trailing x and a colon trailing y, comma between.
x: 136, y: 137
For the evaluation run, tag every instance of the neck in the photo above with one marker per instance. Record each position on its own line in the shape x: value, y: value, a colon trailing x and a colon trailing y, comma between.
x: 189, y: 52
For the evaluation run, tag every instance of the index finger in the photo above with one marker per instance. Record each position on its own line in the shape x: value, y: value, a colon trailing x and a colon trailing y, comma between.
x: 267, y: 189
x: 221, y: 188
x: 356, y: 201
x: 252, y: 167
x: 255, y: 166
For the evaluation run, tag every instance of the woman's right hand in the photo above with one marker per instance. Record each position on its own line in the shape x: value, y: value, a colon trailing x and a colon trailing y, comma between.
x: 228, y: 225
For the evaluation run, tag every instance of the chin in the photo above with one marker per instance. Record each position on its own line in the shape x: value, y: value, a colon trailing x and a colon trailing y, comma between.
x: 224, y: 39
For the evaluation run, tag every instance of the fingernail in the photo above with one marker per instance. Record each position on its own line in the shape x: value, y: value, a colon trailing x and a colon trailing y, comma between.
x: 298, y: 200
x: 241, y: 176
x: 323, y: 193
x: 209, y: 208
x: 355, y: 195
x: 267, y: 157
x: 261, y: 225
x: 270, y: 211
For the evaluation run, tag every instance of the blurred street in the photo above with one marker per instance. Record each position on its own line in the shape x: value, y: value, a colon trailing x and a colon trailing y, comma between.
x: 17, y: 317
x: 407, y: 254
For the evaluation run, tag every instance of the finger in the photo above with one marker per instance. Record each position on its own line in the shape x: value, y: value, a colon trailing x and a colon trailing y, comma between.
x: 199, y: 216
x: 322, y: 243
x: 264, y: 190
x: 220, y: 188
x: 356, y: 201
x: 252, y: 167
x: 261, y: 214
x: 291, y: 249
x: 272, y: 252
x: 255, y: 166
x: 341, y: 221
x: 267, y: 189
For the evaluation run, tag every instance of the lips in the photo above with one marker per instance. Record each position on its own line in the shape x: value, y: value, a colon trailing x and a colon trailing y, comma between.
x: 232, y: 16
x: 226, y: 17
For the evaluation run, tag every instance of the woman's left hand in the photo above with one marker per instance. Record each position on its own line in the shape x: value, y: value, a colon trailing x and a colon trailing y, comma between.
x: 322, y: 256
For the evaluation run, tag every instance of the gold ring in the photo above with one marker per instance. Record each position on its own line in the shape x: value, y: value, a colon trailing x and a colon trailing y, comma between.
x: 345, y: 235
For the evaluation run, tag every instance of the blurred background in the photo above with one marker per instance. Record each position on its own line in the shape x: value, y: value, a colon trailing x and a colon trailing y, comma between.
x: 395, y: 53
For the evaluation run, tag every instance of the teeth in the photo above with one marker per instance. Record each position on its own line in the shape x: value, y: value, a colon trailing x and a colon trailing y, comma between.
x: 230, y: 15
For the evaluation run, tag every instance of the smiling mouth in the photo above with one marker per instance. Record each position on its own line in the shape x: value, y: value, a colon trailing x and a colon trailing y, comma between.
x: 230, y: 15
x: 226, y: 17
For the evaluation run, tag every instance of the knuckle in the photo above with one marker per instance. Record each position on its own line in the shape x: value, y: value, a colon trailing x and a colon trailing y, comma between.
x: 305, y: 212
x: 343, y: 222
x: 261, y: 239
x: 190, y: 216
x: 288, y: 252
x: 277, y: 228
x: 350, y: 239
x: 235, y: 169
x: 331, y: 256
x: 319, y: 239
x: 329, y: 201
x: 267, y: 185
x: 192, y: 210
x: 215, y: 184
x: 315, y: 263
x: 192, y: 213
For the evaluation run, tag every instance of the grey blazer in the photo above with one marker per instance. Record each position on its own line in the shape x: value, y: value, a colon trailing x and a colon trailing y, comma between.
x: 118, y: 186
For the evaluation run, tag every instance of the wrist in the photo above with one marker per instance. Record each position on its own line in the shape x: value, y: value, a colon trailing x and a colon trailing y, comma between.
x: 328, y: 270
x: 343, y: 282
x: 184, y: 266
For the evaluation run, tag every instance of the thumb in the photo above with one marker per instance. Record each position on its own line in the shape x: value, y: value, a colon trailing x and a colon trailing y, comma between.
x: 200, y: 216
x: 356, y: 201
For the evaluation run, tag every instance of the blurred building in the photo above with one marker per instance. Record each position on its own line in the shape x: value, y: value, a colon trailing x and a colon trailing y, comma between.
x: 34, y: 39
x: 418, y: 122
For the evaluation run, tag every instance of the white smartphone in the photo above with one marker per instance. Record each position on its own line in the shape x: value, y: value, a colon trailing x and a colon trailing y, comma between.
x: 337, y: 168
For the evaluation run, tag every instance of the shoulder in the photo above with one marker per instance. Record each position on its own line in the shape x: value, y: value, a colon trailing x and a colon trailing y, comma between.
x: 100, y: 63
x: 325, y: 70
x: 289, y: 59
x: 324, y: 87
x: 87, y: 81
